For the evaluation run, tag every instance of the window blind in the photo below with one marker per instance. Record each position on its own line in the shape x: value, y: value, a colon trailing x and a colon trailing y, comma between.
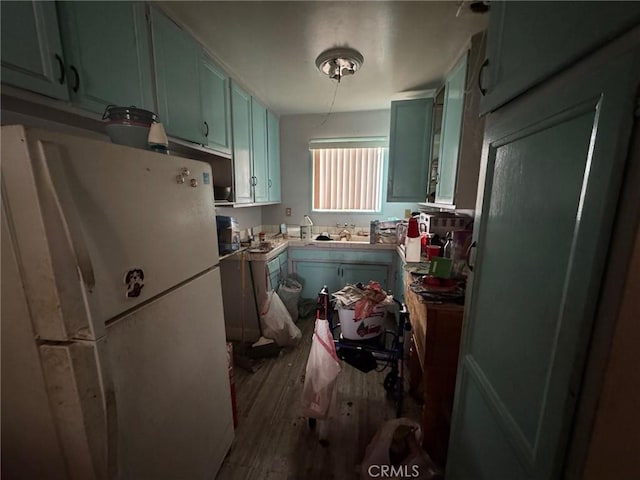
x: 347, y: 178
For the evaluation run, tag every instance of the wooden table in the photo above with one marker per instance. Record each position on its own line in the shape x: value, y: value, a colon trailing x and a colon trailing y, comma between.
x: 435, y: 338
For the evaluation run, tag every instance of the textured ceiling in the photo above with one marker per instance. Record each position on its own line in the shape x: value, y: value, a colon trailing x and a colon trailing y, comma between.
x: 271, y: 47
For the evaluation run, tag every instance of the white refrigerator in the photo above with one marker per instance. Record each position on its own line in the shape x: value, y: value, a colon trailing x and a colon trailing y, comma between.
x: 113, y: 343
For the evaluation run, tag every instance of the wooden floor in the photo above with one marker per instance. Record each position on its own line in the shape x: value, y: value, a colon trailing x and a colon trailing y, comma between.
x: 274, y: 442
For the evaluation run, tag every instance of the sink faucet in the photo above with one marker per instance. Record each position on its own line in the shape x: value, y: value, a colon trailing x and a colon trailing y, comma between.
x: 307, y: 229
x: 345, y: 233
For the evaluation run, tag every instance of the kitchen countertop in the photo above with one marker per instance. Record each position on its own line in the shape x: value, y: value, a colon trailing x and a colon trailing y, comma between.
x: 339, y: 244
x: 282, y: 245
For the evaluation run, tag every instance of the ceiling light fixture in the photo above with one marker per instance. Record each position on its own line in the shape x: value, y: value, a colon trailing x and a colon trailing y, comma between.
x: 338, y: 62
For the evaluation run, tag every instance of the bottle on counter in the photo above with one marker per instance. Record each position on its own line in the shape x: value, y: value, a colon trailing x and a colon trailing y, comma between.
x: 446, y: 251
x: 306, y: 229
x: 412, y: 241
x: 374, y: 231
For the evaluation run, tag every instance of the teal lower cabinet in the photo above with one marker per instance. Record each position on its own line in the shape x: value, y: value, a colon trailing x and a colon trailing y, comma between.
x: 398, y: 284
x: 277, y: 270
x: 363, y: 273
x: 315, y: 275
x: 317, y: 267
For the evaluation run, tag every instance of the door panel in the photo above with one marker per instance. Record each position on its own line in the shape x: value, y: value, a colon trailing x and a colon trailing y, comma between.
x: 107, y: 42
x: 259, y: 143
x: 31, y: 48
x: 410, y: 150
x: 242, y: 157
x: 363, y: 274
x: 215, y: 105
x: 451, y: 131
x: 177, y: 58
x: 273, y: 144
x: 317, y: 274
x: 527, y: 335
x: 174, y: 407
x: 553, y: 163
x: 110, y: 196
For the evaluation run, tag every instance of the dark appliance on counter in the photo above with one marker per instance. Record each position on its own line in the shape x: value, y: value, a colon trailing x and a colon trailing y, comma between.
x: 228, y: 234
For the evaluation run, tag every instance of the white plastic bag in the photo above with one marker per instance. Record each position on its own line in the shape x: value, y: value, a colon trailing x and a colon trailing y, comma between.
x: 276, y: 322
x: 321, y: 374
x: 395, y: 452
x: 289, y: 292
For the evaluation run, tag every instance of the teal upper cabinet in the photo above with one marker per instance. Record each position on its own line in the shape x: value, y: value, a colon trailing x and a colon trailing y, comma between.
x: 273, y: 145
x: 177, y: 59
x: 241, y: 125
x: 214, y: 88
x: 107, y: 54
x: 409, y: 149
x: 461, y: 132
x: 32, y: 56
x: 527, y: 44
x: 450, y: 133
x: 256, y: 149
x: 259, y: 142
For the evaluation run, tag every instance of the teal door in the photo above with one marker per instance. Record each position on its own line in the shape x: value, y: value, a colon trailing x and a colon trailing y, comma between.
x: 363, y: 273
x: 552, y: 170
x: 530, y: 41
x: 177, y: 59
x: 214, y: 85
x: 259, y: 142
x: 107, y: 53
x: 315, y: 275
x: 32, y: 55
x: 241, y: 125
x: 450, y: 134
x: 409, y: 150
x: 273, y: 145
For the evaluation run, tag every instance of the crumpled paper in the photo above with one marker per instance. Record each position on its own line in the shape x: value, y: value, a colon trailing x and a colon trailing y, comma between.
x: 364, y: 300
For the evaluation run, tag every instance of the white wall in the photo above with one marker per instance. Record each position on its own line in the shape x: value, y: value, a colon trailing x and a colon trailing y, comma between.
x: 295, y: 165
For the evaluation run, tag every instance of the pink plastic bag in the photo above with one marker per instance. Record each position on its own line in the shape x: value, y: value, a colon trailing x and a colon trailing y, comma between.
x: 321, y: 374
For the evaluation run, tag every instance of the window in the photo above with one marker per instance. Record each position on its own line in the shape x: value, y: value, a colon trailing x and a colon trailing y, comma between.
x: 347, y: 175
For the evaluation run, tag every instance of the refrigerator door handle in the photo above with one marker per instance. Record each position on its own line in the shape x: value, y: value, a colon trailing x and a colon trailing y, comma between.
x: 68, y: 216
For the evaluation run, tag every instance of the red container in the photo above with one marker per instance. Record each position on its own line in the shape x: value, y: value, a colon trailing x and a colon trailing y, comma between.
x: 412, y: 230
x: 433, y: 251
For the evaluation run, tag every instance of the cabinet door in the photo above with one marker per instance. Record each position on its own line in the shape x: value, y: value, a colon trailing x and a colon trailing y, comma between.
x: 527, y: 43
x: 273, y: 144
x: 259, y: 143
x: 398, y: 287
x: 315, y: 275
x: 284, y: 264
x: 558, y: 152
x: 273, y: 273
x: 107, y: 51
x: 450, y: 134
x: 214, y: 86
x: 363, y: 273
x: 32, y: 55
x: 177, y: 58
x: 241, y: 127
x: 409, y: 150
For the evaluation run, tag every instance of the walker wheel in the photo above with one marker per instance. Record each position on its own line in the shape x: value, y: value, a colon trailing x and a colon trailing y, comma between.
x: 390, y: 381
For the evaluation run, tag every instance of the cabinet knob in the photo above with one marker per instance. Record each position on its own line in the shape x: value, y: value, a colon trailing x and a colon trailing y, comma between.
x: 207, y: 132
x: 61, y: 65
x: 76, y: 85
x: 471, y: 247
